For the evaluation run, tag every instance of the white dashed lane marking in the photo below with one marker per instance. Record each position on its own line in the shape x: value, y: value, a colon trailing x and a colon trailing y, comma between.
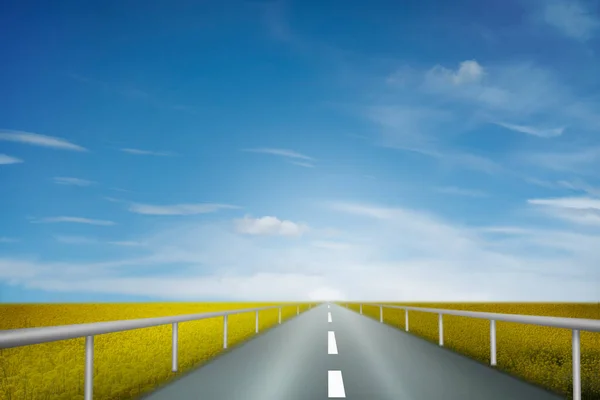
x: 331, y: 343
x: 335, y: 385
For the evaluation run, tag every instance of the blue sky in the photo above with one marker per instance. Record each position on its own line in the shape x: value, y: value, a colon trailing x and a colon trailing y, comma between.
x: 221, y: 150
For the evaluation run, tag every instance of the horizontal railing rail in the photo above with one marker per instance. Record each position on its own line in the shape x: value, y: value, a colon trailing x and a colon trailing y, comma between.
x: 29, y: 336
x: 574, y: 324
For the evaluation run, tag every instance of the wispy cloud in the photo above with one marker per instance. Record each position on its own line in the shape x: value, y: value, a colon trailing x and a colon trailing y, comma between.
x: 269, y: 226
x: 177, y: 209
x: 5, y: 160
x: 88, y: 240
x: 4, y: 239
x: 75, y: 239
x: 408, y: 126
x: 302, y: 164
x: 585, y: 160
x: 63, y: 180
x: 126, y: 243
x: 148, y: 152
x: 579, y: 185
x: 505, y: 230
x: 364, y: 210
x: 281, y: 152
x: 461, y: 191
x: 116, y: 189
x: 77, y: 220
x: 213, y: 262
x: 417, y: 129
x: 426, y: 111
x: 530, y: 130
x: 578, y: 203
x: 331, y: 245
x: 134, y: 93
x: 509, y: 89
x: 579, y: 210
x: 36, y: 139
x: 572, y: 18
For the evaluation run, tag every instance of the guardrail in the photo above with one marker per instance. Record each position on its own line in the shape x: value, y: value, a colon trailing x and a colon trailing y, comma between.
x: 574, y: 324
x: 29, y: 336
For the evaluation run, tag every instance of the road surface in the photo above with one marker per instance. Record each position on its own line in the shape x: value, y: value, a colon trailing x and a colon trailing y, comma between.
x: 332, y: 352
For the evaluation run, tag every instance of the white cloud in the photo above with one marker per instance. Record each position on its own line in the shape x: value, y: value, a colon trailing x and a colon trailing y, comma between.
x: 77, y: 220
x: 177, y: 209
x: 5, y: 160
x: 62, y: 180
x: 571, y: 17
x: 281, y: 152
x: 461, y: 191
x: 36, y: 139
x: 148, y: 152
x: 530, y: 130
x: 4, y: 239
x: 269, y: 226
x: 468, y: 72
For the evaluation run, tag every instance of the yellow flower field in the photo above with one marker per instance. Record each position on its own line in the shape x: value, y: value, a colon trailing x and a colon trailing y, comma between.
x: 126, y: 364
x: 538, y: 354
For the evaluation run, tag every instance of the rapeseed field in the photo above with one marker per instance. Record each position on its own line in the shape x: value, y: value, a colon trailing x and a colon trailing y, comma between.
x: 537, y: 354
x: 126, y: 364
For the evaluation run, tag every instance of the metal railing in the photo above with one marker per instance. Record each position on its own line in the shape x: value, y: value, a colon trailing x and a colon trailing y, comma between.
x: 29, y: 336
x: 574, y: 324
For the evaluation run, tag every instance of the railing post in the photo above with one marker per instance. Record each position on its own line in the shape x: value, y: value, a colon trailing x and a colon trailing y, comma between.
x: 174, y: 347
x: 406, y: 319
x: 576, y: 365
x: 380, y: 313
x: 89, y: 368
x: 225, y: 331
x: 298, y: 310
x: 280, y: 315
x: 256, y: 321
x: 361, y: 309
x: 492, y: 342
x: 441, y: 329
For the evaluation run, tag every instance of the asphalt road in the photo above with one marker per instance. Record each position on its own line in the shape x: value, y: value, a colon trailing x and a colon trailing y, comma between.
x: 351, y: 357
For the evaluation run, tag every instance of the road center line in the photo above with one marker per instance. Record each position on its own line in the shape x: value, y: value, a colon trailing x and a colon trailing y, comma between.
x: 331, y: 343
x: 327, y: 305
x: 328, y: 317
x: 335, y: 385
